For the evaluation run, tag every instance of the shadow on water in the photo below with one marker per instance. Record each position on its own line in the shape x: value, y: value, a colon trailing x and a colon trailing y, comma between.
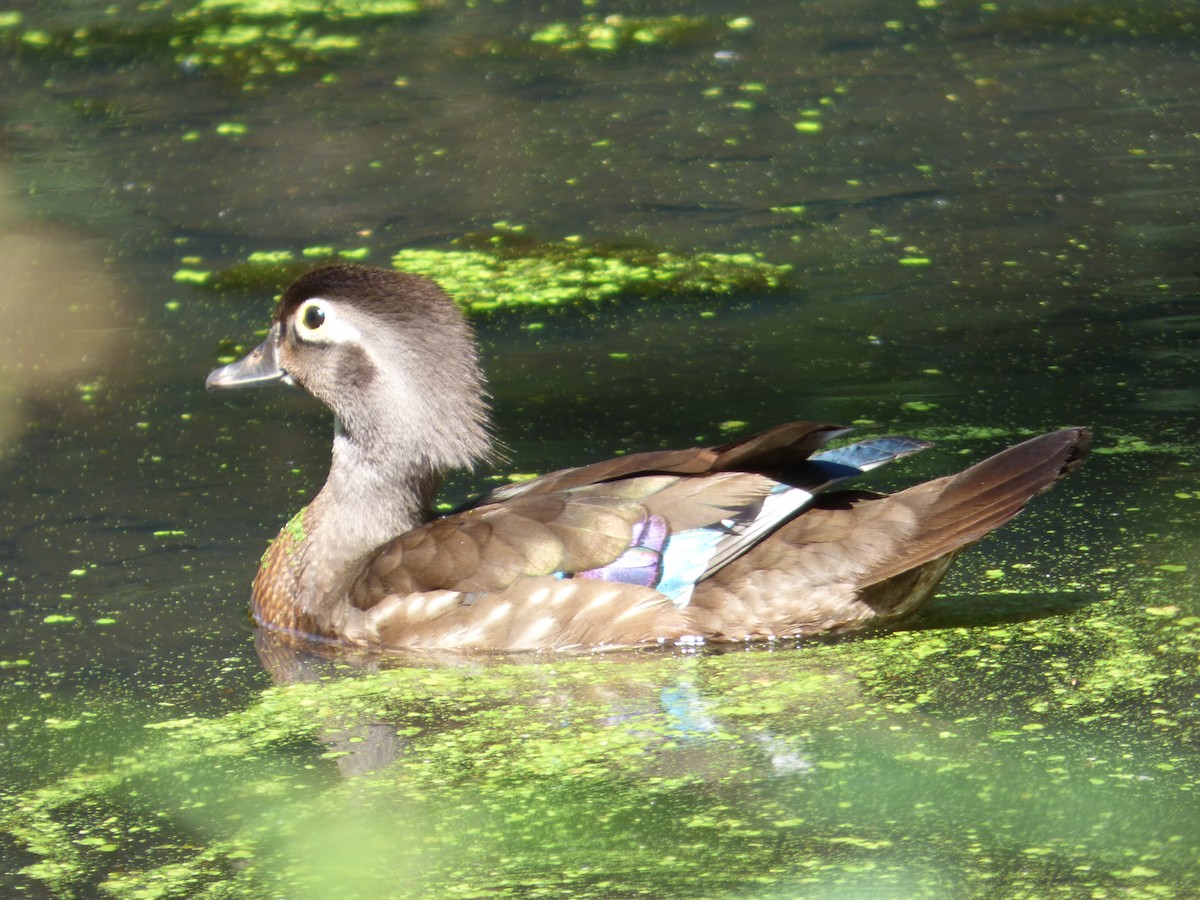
x: 981, y: 609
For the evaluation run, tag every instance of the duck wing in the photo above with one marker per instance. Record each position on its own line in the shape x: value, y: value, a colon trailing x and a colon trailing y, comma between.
x: 664, y: 532
x: 773, y: 452
x: 579, y: 567
x: 565, y: 533
x: 857, y: 560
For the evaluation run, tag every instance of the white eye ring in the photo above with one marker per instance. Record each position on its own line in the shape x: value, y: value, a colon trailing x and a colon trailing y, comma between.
x: 310, y: 316
x: 316, y: 321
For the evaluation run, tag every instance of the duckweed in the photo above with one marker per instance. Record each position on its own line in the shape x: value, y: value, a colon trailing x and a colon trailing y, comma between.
x: 846, y: 766
x: 191, y: 276
x: 509, y: 270
x: 256, y: 39
x: 295, y: 528
x: 275, y: 36
x: 609, y: 34
x: 585, y: 776
x: 1145, y: 21
x: 555, y: 274
x: 238, y: 38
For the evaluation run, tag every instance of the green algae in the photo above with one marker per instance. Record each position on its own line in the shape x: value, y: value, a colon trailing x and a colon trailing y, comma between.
x: 293, y: 531
x: 1136, y: 20
x: 615, y: 33
x: 507, y: 269
x: 847, y: 765
x: 251, y: 40
x: 1109, y: 442
x: 1131, y: 443
x: 242, y: 39
x: 295, y: 527
x: 252, y: 50
x: 483, y: 281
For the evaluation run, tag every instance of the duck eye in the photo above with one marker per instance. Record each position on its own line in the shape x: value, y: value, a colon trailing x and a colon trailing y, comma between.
x: 319, y: 321
x: 314, y: 317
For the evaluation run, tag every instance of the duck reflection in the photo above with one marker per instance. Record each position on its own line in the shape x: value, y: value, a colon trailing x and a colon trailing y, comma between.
x: 655, y: 704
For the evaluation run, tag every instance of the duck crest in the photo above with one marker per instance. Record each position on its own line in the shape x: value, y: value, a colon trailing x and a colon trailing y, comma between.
x: 756, y: 539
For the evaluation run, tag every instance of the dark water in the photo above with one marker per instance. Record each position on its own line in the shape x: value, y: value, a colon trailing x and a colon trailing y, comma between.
x: 1034, y: 735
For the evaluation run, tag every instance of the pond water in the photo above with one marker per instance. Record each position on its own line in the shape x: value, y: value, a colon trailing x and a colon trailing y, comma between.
x: 990, y: 214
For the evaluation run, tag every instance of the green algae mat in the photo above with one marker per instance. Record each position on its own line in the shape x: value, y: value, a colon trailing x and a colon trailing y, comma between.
x: 1020, y: 759
x: 507, y: 269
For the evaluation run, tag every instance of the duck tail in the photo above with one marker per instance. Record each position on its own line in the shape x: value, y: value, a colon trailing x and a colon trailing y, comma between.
x: 856, y: 560
x: 957, y: 510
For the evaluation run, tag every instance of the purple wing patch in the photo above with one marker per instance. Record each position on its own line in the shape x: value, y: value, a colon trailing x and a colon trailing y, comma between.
x: 641, y: 563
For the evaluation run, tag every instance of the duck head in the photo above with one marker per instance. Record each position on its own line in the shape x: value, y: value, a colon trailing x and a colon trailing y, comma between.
x: 389, y: 354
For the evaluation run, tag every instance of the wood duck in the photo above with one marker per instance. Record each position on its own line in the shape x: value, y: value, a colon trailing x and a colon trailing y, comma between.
x: 745, y: 541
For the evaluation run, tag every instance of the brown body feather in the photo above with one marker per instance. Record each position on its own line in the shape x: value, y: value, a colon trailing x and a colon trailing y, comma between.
x: 483, y: 578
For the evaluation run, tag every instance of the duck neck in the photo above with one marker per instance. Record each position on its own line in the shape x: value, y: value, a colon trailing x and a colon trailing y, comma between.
x: 369, y: 498
x: 376, y: 490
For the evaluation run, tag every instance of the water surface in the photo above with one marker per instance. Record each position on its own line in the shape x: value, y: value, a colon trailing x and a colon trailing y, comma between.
x: 990, y: 212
